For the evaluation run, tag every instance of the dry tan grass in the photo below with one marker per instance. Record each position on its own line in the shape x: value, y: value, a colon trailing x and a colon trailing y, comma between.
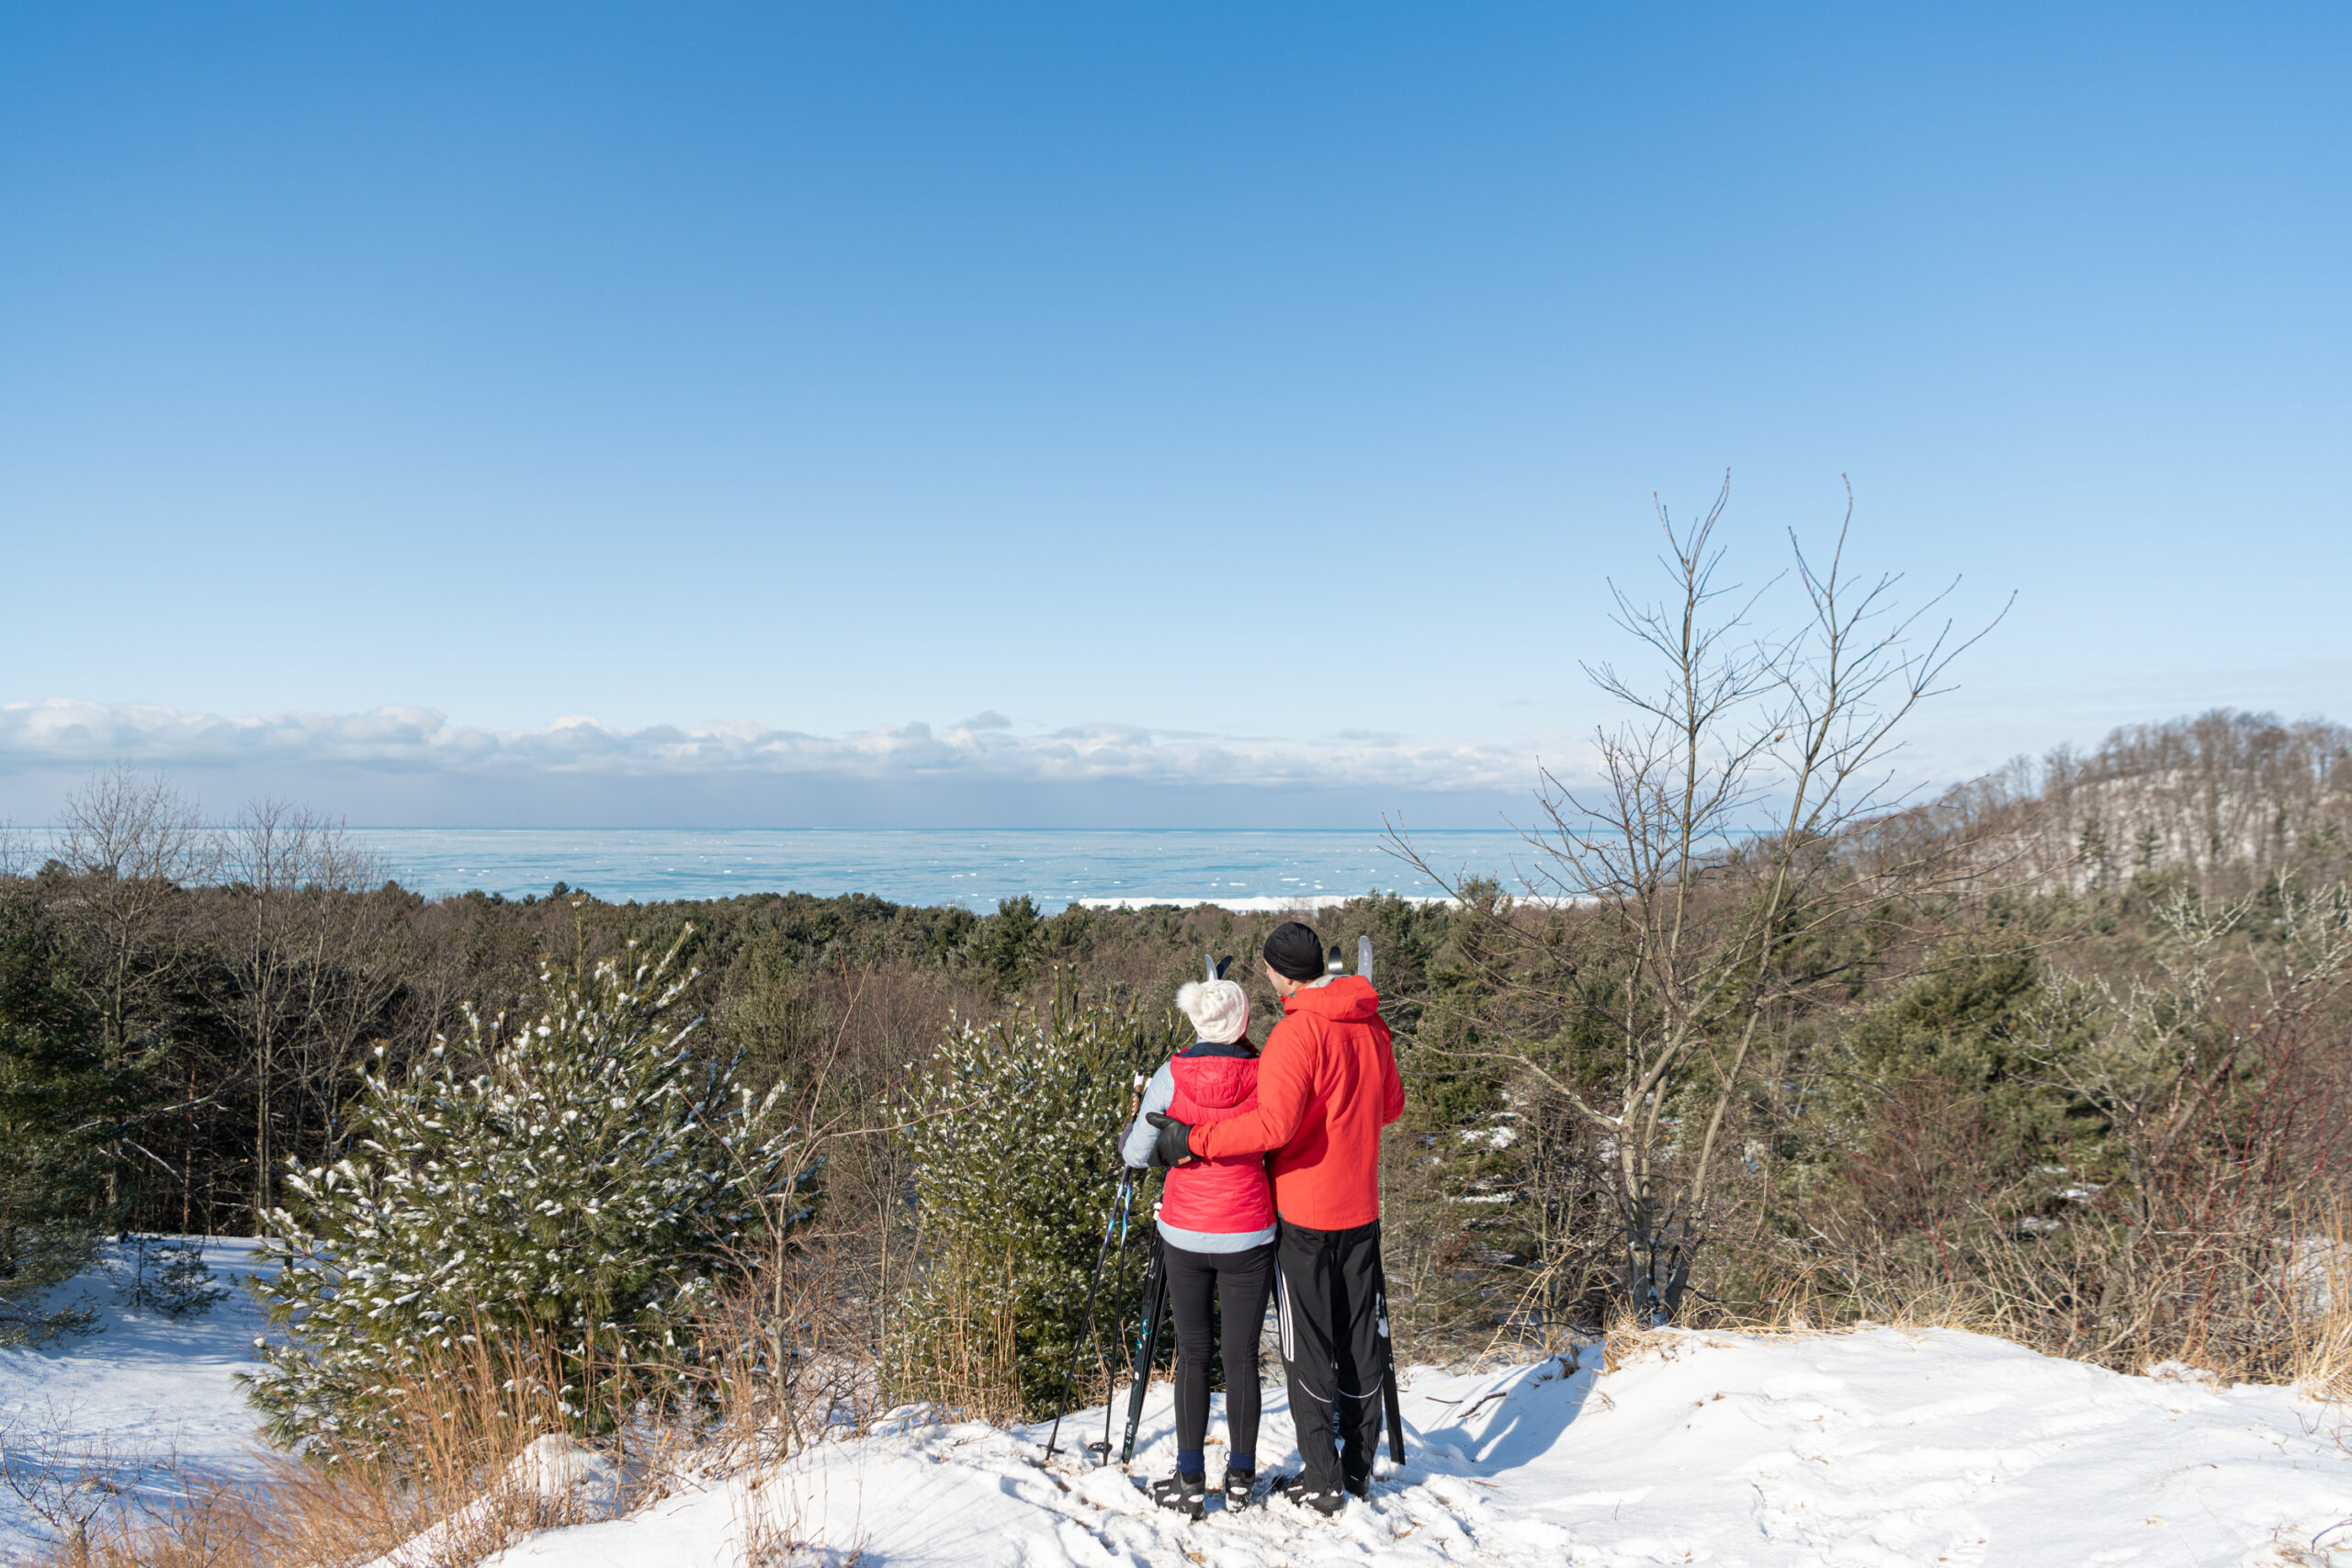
x: 791, y: 1366
x: 2292, y: 1326
x: 2321, y: 1360
x: 452, y: 1493
x: 464, y: 1489
x: 964, y: 1356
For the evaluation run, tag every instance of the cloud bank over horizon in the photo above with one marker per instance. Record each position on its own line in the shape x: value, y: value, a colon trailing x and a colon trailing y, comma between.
x: 414, y: 764
x: 409, y: 765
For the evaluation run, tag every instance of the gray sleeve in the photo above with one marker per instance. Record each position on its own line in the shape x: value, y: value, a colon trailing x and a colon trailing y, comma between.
x: 1158, y: 1095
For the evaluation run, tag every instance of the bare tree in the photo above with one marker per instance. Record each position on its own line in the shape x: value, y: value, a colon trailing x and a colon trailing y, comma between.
x: 1700, y: 889
x: 306, y: 955
x: 130, y: 847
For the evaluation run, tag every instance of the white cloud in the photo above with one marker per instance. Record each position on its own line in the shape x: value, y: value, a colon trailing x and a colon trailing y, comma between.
x: 65, y: 733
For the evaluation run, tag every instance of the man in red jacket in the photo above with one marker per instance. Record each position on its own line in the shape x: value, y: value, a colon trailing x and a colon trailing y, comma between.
x: 1327, y: 1085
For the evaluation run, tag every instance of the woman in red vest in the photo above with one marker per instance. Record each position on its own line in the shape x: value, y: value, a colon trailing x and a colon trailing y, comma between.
x: 1216, y: 1229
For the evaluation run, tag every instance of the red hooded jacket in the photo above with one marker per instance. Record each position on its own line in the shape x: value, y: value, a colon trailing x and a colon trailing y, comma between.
x: 1327, y: 1085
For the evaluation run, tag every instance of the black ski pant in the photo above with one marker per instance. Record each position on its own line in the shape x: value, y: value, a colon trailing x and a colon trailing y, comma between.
x: 1335, y: 1348
x: 1241, y: 1280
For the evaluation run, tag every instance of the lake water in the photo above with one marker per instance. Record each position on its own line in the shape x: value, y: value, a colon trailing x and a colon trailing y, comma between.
x: 972, y: 869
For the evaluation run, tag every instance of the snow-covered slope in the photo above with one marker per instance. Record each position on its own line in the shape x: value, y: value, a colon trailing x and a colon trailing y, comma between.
x: 1877, y: 1448
x: 144, y: 1389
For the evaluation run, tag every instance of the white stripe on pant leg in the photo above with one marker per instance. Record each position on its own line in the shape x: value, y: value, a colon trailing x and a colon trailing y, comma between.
x: 1282, y: 1303
x: 1290, y: 1360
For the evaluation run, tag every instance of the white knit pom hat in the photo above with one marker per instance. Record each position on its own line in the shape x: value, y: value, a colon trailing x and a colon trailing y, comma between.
x: 1219, y: 1009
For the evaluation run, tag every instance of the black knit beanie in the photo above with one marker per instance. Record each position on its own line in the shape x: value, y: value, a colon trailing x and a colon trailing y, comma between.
x: 1296, y: 952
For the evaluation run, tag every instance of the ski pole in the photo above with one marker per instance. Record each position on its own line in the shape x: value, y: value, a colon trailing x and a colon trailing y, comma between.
x: 1102, y: 1451
x: 1147, y: 1351
x: 1390, y: 1403
x: 1086, y: 1319
x: 1389, y: 1400
x: 1128, y: 1178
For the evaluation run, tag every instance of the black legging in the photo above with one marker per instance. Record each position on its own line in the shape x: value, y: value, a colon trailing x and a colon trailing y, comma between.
x: 1243, y: 1280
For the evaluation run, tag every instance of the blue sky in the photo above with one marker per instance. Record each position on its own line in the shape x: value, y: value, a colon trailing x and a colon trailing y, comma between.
x: 1236, y: 411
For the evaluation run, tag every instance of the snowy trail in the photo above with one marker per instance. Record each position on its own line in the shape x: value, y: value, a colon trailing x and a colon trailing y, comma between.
x: 141, y: 1391
x: 1873, y: 1449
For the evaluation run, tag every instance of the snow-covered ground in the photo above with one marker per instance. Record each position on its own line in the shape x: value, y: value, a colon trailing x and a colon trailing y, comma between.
x: 144, y: 1391
x: 1871, y: 1449
x: 1876, y: 1447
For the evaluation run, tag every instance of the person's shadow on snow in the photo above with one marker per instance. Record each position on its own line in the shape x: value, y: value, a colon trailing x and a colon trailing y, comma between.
x: 1515, y: 1422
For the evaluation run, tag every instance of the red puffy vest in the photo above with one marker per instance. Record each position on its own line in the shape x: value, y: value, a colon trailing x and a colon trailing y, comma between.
x: 1228, y: 1194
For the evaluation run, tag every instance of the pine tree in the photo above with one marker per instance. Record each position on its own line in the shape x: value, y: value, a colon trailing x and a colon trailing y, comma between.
x: 58, y: 1101
x: 1005, y: 950
x: 589, y: 1187
x: 1015, y: 1130
x: 164, y: 1275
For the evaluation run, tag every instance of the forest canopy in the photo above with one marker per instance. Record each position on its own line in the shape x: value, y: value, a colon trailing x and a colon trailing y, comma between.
x: 2086, y: 1089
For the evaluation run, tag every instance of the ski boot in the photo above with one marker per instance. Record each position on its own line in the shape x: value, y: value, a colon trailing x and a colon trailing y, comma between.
x: 1240, y: 1487
x: 1299, y: 1490
x: 1186, y: 1493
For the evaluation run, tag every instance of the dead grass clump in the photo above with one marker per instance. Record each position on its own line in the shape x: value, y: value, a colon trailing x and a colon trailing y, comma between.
x: 2260, y: 1298
x: 963, y: 1353
x: 2321, y: 1359
x: 790, y: 1363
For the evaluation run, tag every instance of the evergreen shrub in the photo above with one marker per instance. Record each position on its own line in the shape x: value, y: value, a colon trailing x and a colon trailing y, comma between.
x: 60, y: 1106
x: 578, y: 1199
x: 164, y: 1275
x: 1013, y: 1129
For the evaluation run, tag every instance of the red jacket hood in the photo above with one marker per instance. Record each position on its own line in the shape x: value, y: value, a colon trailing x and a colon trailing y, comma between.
x: 1346, y: 999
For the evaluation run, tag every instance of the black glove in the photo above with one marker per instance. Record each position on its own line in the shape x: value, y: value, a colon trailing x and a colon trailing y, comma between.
x: 1175, y: 1145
